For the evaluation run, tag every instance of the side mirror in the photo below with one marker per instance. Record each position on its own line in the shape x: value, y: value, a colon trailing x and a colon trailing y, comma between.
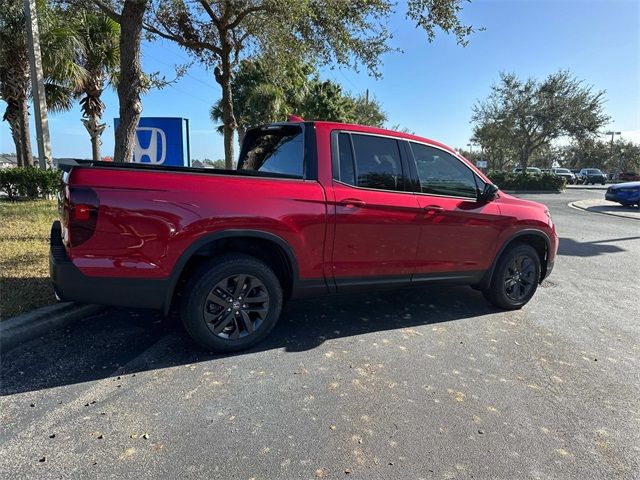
x: 488, y: 194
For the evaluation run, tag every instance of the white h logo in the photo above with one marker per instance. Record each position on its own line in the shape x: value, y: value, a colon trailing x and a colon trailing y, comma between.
x: 151, y: 152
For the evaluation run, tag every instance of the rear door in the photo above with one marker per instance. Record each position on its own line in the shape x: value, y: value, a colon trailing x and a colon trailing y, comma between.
x: 458, y: 233
x: 376, y: 219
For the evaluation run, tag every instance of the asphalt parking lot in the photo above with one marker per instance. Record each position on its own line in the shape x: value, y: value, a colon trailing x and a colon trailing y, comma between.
x: 425, y: 383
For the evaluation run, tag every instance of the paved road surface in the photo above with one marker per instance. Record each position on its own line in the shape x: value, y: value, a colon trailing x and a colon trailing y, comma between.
x: 428, y: 383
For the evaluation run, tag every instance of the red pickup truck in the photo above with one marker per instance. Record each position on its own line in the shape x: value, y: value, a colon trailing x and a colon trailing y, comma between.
x: 313, y: 208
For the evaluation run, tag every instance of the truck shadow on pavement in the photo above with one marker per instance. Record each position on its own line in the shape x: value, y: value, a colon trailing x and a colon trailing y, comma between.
x: 573, y: 248
x: 126, y: 342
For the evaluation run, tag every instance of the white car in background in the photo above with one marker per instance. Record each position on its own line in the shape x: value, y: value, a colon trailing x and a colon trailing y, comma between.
x: 565, y: 173
x: 530, y: 170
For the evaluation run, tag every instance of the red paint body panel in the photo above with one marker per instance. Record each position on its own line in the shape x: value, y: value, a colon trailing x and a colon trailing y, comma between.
x: 148, y: 219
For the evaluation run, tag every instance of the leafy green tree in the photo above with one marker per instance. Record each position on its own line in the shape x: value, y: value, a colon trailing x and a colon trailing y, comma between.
x: 262, y: 95
x: 496, y: 146
x: 528, y: 115
x: 343, y: 32
x: 368, y: 111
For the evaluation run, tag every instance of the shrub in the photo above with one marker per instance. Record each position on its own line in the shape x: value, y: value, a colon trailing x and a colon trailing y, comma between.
x: 29, y: 182
x: 524, y: 181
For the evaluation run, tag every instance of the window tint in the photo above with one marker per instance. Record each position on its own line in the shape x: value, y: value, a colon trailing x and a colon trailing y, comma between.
x: 274, y: 150
x: 347, y: 174
x: 377, y: 162
x: 441, y: 173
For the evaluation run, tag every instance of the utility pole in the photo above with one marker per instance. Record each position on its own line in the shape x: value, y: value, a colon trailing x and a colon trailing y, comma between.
x: 37, y: 84
x: 613, y: 134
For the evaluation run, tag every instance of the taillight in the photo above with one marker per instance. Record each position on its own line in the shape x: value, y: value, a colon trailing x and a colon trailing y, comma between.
x: 82, y: 215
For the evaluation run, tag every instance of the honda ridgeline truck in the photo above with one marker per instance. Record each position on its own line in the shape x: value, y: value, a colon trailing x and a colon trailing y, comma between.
x: 313, y: 208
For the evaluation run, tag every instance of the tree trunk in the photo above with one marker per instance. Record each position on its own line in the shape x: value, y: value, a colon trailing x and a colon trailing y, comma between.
x: 95, y: 147
x: 129, y: 85
x: 25, y: 138
x: 18, y: 145
x: 524, y: 160
x: 228, y: 117
x: 242, y: 131
x: 222, y: 74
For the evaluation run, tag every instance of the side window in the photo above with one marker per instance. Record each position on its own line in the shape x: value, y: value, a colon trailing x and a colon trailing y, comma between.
x: 377, y: 162
x: 347, y: 173
x: 441, y: 173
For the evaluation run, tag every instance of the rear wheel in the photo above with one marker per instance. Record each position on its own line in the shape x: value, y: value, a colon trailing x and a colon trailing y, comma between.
x: 231, y: 303
x: 515, y: 278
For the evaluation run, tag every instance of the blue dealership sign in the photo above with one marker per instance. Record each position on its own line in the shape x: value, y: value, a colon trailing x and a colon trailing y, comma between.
x: 162, y: 141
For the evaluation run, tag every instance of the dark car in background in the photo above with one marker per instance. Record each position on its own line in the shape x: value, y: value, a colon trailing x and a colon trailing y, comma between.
x: 629, y: 177
x: 592, y: 176
x: 626, y: 194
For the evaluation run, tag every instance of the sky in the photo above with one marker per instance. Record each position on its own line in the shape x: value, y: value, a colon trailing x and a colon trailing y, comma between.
x: 429, y: 88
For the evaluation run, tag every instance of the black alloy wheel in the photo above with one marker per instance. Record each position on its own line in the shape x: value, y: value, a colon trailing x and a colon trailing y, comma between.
x: 231, y: 303
x: 515, y: 278
x: 519, y: 277
x: 236, y: 307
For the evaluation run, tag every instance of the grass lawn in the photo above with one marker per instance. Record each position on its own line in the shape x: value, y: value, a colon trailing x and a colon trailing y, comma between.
x: 24, y: 255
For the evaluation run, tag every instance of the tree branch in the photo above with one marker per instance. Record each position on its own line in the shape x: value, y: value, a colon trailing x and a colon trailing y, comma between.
x: 207, y: 8
x: 241, y: 16
x: 107, y: 10
x: 180, y: 40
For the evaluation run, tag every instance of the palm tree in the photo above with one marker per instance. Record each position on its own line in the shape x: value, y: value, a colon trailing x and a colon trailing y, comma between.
x: 59, y: 47
x: 99, y: 57
x: 14, y: 78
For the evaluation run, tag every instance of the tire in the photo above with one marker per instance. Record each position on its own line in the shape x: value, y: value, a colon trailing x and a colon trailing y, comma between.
x: 602, y: 183
x: 218, y: 286
x: 502, y: 296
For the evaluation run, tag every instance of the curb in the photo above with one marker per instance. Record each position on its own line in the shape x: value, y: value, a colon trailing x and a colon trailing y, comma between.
x: 30, y: 325
x: 533, y: 192
x: 586, y: 187
x: 611, y: 214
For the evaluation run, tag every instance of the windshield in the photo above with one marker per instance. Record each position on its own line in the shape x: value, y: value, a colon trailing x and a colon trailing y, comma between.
x: 594, y: 171
x: 562, y: 170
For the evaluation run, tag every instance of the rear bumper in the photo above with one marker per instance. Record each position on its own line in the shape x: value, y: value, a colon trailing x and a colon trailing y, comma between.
x: 71, y: 284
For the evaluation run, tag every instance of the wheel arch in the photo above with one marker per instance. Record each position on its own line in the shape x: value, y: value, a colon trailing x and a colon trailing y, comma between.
x: 256, y: 243
x: 538, y: 239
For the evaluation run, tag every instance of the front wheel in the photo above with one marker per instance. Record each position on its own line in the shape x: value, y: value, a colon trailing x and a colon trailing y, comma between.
x: 231, y: 303
x: 515, y: 278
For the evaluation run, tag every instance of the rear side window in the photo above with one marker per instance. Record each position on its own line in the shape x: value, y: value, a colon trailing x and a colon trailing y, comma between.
x: 441, y: 173
x: 275, y: 150
x: 369, y: 161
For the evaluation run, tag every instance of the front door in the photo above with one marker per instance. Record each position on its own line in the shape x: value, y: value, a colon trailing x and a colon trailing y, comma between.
x: 458, y: 234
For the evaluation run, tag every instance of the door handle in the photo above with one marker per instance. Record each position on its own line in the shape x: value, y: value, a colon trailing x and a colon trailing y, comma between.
x: 352, y: 202
x: 433, y: 209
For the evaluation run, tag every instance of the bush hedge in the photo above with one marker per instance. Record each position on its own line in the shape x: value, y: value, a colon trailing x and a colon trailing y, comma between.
x: 525, y: 181
x: 29, y: 182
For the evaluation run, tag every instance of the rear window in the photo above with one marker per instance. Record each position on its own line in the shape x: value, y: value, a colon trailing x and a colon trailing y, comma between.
x: 275, y: 149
